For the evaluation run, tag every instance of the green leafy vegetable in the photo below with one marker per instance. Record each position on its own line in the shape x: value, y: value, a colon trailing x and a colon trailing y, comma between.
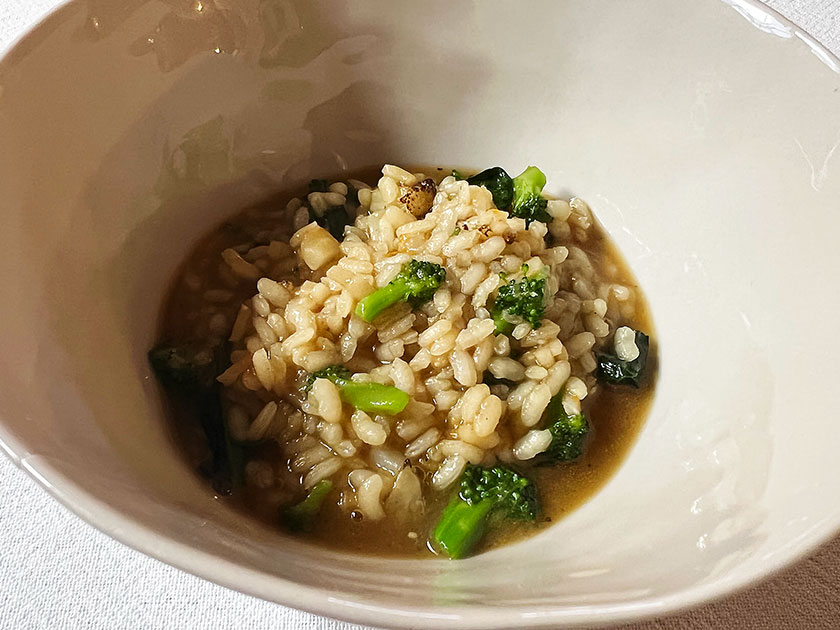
x: 484, y: 493
x: 416, y: 283
x: 319, y: 185
x: 226, y: 467
x: 372, y: 398
x: 301, y: 516
x: 613, y: 370
x: 190, y: 373
x: 498, y: 182
x: 334, y: 219
x: 187, y: 368
x: 489, y: 379
x: 352, y: 195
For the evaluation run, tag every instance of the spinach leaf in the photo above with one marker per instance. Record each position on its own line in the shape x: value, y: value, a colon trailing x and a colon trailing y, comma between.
x: 613, y: 370
x: 190, y: 373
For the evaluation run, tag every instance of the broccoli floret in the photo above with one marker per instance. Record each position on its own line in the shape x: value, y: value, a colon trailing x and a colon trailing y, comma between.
x: 528, y: 203
x: 520, y: 196
x: 568, y: 433
x: 368, y: 397
x: 519, y: 300
x: 300, y: 516
x: 483, y: 492
x: 416, y: 282
x: 613, y: 370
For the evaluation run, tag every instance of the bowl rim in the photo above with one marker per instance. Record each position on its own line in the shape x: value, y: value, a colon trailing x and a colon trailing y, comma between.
x: 318, y: 601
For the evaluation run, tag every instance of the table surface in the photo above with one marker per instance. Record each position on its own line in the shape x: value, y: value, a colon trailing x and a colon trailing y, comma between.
x: 58, y: 572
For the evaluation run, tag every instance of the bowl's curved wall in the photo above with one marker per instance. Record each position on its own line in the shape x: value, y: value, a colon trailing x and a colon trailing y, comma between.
x: 703, y: 145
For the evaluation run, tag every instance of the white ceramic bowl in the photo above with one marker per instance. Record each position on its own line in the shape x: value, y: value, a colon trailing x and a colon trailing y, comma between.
x: 704, y: 145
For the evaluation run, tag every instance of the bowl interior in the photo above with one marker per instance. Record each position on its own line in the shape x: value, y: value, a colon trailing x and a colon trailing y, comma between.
x: 131, y: 128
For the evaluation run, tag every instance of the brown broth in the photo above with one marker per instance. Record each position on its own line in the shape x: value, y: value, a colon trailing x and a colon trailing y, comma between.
x: 615, y: 414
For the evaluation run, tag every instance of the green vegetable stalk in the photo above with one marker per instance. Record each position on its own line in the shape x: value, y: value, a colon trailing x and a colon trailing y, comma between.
x: 484, y: 494
x: 301, y: 516
x: 373, y: 398
x: 416, y: 282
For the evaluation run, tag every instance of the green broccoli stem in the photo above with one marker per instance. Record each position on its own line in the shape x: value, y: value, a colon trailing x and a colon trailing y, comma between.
x: 300, y: 516
x: 416, y: 282
x: 483, y: 494
x: 460, y: 527
x: 370, y: 307
x: 373, y: 398
x: 368, y: 397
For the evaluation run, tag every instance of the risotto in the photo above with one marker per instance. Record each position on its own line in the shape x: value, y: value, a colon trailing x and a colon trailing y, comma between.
x: 432, y: 364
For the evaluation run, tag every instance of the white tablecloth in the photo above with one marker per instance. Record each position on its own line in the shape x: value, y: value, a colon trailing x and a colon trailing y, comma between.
x: 58, y: 572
